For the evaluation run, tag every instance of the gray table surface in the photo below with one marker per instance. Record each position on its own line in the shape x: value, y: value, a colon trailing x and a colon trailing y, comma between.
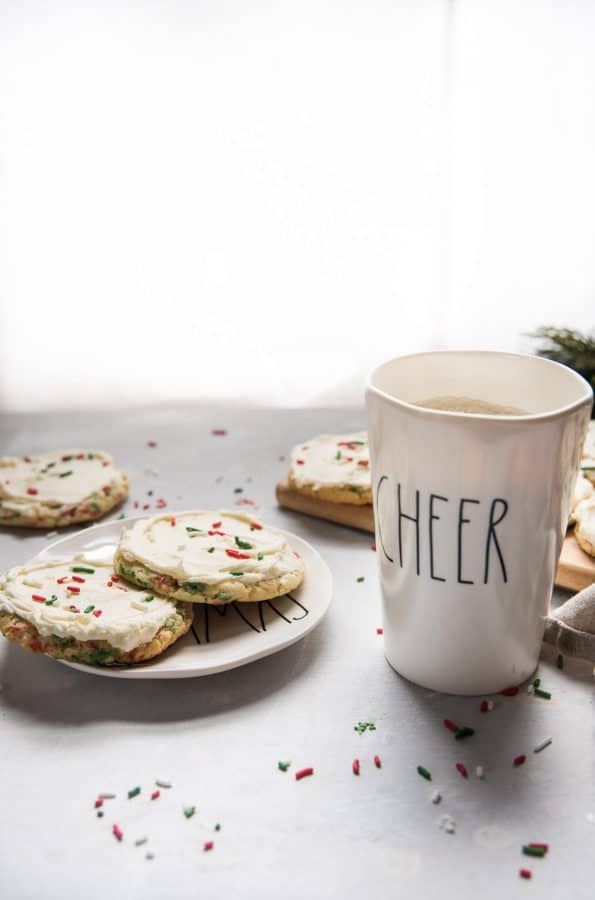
x: 67, y: 735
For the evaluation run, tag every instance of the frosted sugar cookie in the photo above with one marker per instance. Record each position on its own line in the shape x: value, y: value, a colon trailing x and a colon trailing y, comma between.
x: 584, y: 531
x: 79, y: 610
x: 54, y: 489
x: 582, y: 491
x: 208, y: 557
x: 333, y: 467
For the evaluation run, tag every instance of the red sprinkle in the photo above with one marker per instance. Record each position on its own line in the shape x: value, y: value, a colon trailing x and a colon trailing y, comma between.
x: 219, y: 432
x: 97, y: 613
x: 73, y: 589
x: 98, y: 802
x: 135, y: 504
x: 300, y: 462
x: 208, y: 845
x: 363, y: 463
x: 450, y: 725
x: 519, y: 760
x: 78, y: 578
x: 211, y: 533
x: 544, y: 847
x: 80, y: 456
x: 114, y: 577
x: 31, y: 490
x: 160, y: 504
x: 462, y: 770
x: 525, y: 873
x: 172, y: 521
x: 105, y: 462
x: 26, y: 459
x: 146, y: 506
x: 106, y: 490
x: 38, y: 598
x: 216, y: 525
x: 151, y: 443
x: 355, y: 766
x: 235, y: 554
x: 117, y: 832
x: 510, y: 692
x: 483, y: 706
x: 303, y: 773
x: 109, y: 584
x: 380, y: 631
x: 256, y: 526
x: 245, y: 501
x: 373, y: 547
x: 155, y: 795
x: 377, y: 762
x: 62, y: 580
x: 74, y: 608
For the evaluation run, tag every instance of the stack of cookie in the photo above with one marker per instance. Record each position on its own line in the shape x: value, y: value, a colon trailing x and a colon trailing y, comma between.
x: 583, y: 511
x: 130, y: 608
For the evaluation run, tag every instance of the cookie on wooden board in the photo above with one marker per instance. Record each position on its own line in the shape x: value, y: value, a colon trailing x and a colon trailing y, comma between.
x: 206, y: 556
x: 333, y: 467
x: 49, y: 490
x: 77, y: 609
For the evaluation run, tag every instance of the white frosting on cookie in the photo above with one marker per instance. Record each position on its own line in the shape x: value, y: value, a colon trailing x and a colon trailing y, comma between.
x: 206, y: 547
x: 86, y: 606
x: 332, y: 460
x: 585, y: 525
x: 582, y: 491
x: 588, y: 457
x: 57, y: 481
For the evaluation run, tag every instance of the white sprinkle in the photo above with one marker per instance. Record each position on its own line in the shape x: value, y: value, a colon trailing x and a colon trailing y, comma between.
x: 141, y: 606
x: 591, y: 818
x: 530, y: 689
x: 163, y: 784
x: 218, y: 479
x: 490, y: 705
x: 149, y: 856
x: 542, y: 746
x: 51, y: 534
x: 479, y: 771
x: 140, y: 841
x: 436, y: 797
x: 107, y: 796
x: 448, y: 824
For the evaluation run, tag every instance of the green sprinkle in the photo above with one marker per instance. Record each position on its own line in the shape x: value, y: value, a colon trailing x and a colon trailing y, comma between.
x: 243, y: 545
x: 89, y: 609
x: 424, y: 773
x: 364, y: 726
x: 260, y: 556
x: 283, y: 765
x: 53, y: 599
x: 544, y: 694
x: 236, y: 573
x: 90, y: 456
x: 190, y: 529
x: 338, y: 454
x: 99, y: 813
x: 66, y: 458
x: 149, y: 493
x: 353, y: 488
x: 463, y: 733
x: 560, y: 661
x: 360, y: 579
x: 121, y: 516
x: 217, y: 827
x: 537, y: 682
x: 85, y: 569
x: 65, y: 474
x: 238, y: 490
x: 189, y: 811
x: 534, y: 851
x: 194, y: 587
x: 133, y: 792
x: 148, y: 598
x: 95, y: 505
x: 224, y: 596
x: 211, y: 550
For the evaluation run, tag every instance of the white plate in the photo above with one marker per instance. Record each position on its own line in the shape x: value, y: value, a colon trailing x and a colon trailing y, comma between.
x: 221, y: 637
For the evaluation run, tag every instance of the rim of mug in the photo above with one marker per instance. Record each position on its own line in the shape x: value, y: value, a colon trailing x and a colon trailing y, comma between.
x: 587, y: 398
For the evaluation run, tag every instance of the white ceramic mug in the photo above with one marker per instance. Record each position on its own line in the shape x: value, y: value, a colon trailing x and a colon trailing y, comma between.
x: 471, y: 511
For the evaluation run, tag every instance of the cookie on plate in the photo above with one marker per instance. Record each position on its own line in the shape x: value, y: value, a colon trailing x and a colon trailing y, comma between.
x: 49, y: 490
x: 582, y: 491
x: 208, y: 557
x: 334, y: 467
x: 584, y: 530
x: 78, y: 610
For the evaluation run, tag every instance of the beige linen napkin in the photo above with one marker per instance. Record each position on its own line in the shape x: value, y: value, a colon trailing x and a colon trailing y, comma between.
x: 571, y: 627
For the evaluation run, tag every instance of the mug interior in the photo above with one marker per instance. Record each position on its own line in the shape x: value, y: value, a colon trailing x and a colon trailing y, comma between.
x: 535, y: 385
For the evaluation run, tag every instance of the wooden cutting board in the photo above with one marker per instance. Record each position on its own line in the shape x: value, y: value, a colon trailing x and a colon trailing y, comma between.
x: 576, y: 570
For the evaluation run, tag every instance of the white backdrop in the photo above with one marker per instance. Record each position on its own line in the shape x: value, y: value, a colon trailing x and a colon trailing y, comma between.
x: 255, y: 201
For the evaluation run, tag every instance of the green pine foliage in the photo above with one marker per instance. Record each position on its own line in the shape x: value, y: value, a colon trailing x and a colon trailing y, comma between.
x: 570, y: 347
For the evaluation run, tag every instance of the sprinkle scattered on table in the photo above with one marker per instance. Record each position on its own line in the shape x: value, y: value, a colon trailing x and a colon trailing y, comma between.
x: 155, y: 795
x: 510, y: 692
x: 208, y: 845
x: 162, y: 784
x: 448, y: 824
x: 486, y: 706
x: 219, y: 432
x: 479, y: 771
x: 436, y: 797
x: 560, y: 661
x: 545, y: 695
x: 462, y: 770
x: 283, y: 764
x: 464, y: 732
x: 364, y: 726
x: 421, y: 770
x: 541, y: 746
x: 377, y: 762
x: 189, y: 811
x: 519, y: 760
x: 117, y: 832
x: 238, y: 490
x: 380, y: 631
x: 304, y: 773
x: 360, y: 579
x: 133, y: 792
x: 151, y: 443
x: 355, y: 766
x: 525, y: 873
x: 140, y: 841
